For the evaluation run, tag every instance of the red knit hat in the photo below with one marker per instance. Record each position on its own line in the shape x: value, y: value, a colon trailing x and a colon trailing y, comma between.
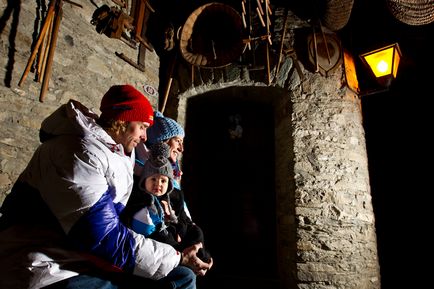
x: 124, y: 102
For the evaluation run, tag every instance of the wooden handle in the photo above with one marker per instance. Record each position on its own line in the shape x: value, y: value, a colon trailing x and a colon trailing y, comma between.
x: 47, y: 22
x: 47, y: 74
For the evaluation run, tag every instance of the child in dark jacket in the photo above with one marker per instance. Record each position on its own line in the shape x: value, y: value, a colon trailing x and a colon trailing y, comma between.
x: 156, y: 210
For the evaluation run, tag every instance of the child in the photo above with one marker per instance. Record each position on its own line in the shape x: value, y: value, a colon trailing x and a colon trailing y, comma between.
x: 149, y: 210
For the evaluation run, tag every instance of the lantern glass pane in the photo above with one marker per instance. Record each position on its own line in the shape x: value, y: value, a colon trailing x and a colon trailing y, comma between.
x: 396, y: 63
x: 380, y: 62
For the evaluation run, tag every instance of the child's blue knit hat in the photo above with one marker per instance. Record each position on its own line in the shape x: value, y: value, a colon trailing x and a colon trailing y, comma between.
x: 163, y: 129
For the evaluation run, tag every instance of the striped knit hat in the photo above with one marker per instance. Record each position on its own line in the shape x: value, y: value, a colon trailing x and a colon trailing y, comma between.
x: 163, y: 129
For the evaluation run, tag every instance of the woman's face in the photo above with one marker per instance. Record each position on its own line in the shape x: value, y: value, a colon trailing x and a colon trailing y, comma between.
x: 176, y: 144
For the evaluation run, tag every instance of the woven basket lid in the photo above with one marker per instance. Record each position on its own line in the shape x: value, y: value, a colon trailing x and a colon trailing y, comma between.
x: 212, y: 36
x: 328, y: 57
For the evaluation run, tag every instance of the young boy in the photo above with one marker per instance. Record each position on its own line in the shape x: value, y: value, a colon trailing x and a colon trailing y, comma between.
x: 149, y: 210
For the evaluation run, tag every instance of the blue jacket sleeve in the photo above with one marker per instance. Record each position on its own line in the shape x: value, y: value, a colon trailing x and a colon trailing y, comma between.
x: 100, y: 232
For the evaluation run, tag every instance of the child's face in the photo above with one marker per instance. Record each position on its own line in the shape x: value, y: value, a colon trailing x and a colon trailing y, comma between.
x: 157, y: 184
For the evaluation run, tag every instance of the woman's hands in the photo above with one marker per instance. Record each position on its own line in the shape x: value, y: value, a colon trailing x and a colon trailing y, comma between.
x: 190, y: 259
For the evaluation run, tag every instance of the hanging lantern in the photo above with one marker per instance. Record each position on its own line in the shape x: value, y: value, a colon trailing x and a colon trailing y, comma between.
x: 383, y: 63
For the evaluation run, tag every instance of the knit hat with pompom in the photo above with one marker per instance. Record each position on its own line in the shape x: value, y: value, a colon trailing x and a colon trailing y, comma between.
x: 158, y: 163
x: 163, y: 129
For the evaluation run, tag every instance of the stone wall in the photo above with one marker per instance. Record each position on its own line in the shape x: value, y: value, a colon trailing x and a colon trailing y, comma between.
x: 325, y: 215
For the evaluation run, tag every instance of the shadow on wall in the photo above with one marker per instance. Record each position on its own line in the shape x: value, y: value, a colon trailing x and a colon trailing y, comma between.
x: 13, y: 9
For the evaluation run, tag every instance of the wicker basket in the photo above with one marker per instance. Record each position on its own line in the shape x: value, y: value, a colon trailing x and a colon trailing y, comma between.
x: 412, y: 12
x: 337, y: 13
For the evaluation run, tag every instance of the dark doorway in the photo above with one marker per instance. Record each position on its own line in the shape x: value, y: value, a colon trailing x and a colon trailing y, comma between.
x: 229, y: 184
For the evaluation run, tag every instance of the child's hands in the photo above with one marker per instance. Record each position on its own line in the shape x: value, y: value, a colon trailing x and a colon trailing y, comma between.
x: 166, y: 208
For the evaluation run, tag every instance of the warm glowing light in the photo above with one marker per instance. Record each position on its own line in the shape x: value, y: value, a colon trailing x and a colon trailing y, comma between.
x: 383, y: 61
x: 382, y: 66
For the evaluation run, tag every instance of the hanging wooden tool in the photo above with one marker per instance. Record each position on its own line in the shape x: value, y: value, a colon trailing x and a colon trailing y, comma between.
x: 325, y: 41
x: 250, y: 41
x: 267, y: 19
x: 144, y: 45
x: 140, y: 13
x: 282, y: 38
x: 52, y: 44
x: 258, y: 22
x: 43, y: 51
x: 42, y: 36
x: 130, y: 61
x: 169, y: 81
x: 48, y: 37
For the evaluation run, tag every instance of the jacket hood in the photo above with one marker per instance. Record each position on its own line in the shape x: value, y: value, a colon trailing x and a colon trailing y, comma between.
x: 73, y: 118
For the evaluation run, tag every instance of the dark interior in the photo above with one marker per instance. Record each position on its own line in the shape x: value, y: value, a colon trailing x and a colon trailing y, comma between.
x: 229, y: 183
